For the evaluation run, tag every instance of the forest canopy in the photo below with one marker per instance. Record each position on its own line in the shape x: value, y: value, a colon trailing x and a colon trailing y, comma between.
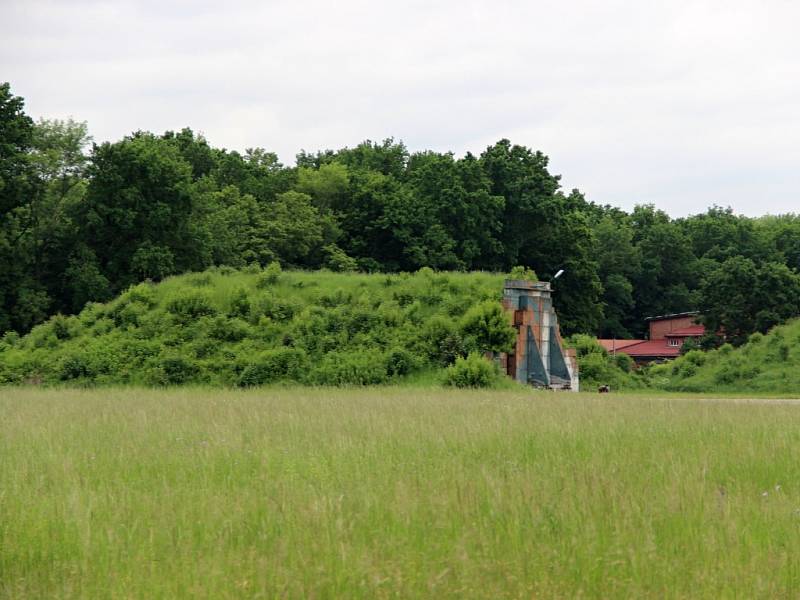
x: 82, y: 222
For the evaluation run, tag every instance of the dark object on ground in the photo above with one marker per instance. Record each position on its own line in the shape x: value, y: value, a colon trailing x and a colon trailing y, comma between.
x: 604, y: 389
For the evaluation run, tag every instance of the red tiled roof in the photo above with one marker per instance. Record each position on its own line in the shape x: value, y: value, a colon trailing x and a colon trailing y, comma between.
x: 643, y: 348
x: 656, y: 348
x: 694, y: 330
x: 612, y: 345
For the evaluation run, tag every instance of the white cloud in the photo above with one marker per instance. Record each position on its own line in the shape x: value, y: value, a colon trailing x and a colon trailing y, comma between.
x: 684, y: 104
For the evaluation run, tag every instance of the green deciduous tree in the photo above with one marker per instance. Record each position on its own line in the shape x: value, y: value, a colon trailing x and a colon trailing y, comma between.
x: 23, y: 299
x: 137, y: 212
x: 740, y: 297
x: 619, y: 261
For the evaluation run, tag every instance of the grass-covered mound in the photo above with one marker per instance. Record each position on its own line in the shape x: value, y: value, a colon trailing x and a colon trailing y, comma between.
x: 766, y: 363
x: 253, y: 327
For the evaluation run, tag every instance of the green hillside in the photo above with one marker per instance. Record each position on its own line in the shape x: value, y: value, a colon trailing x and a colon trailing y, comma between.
x: 253, y: 327
x: 766, y: 363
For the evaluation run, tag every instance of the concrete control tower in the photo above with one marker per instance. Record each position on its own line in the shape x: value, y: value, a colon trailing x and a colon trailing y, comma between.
x: 539, y: 357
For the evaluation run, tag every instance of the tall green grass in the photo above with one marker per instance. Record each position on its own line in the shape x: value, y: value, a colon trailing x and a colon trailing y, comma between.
x: 378, y: 493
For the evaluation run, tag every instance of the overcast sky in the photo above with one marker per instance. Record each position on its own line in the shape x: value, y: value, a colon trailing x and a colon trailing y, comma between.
x: 680, y: 104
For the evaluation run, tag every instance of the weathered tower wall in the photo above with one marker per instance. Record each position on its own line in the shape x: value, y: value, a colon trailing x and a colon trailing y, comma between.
x: 539, y: 357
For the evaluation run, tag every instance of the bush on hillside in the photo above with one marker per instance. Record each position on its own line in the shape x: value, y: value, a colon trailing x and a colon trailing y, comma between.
x: 400, y: 361
x: 523, y: 273
x: 474, y: 371
x: 486, y: 327
x: 270, y: 276
x: 440, y: 342
x: 190, y: 305
x: 282, y: 364
x: 172, y: 370
x: 624, y: 362
x: 349, y: 368
x: 269, y: 305
x: 239, y: 304
x: 765, y: 363
x: 227, y: 330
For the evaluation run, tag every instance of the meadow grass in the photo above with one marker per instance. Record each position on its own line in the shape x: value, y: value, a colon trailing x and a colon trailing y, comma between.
x: 390, y: 492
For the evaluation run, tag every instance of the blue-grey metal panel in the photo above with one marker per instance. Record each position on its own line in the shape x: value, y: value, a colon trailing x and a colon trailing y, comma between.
x: 536, y: 371
x: 558, y: 366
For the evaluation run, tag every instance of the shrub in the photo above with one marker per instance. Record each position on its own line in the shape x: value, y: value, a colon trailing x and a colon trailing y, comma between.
x: 726, y: 375
x: 337, y: 260
x: 227, y: 330
x: 696, y: 357
x: 585, y: 345
x: 130, y: 314
x: 687, y: 369
x: 9, y: 339
x: 523, y: 273
x: 190, y: 305
x: 270, y: 276
x: 90, y: 313
x: 142, y: 293
x: 200, y: 280
x: 277, y: 309
x: 594, y: 369
x: 474, y: 371
x: 61, y: 327
x: 274, y: 365
x: 487, y: 327
x: 403, y: 298
x: 440, y: 342
x: 336, y: 298
x: 239, y: 304
x: 725, y: 349
x: 399, y: 362
x: 350, y: 368
x: 74, y: 366
x: 689, y: 344
x: 175, y: 370
x: 624, y: 362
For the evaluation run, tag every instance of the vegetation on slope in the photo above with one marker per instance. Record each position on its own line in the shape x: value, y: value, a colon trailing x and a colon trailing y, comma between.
x: 253, y: 327
x: 765, y: 364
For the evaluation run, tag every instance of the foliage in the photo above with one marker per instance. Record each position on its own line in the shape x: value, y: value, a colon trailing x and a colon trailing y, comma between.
x: 740, y: 297
x: 251, y: 327
x: 486, y: 326
x: 274, y: 365
x: 78, y: 227
x: 271, y: 275
x: 523, y: 273
x: 763, y: 364
x: 474, y: 371
x: 597, y: 367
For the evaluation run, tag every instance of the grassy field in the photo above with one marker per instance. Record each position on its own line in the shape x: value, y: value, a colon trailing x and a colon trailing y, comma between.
x: 395, y: 493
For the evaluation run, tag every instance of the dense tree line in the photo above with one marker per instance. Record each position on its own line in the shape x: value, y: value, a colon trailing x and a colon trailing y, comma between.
x: 80, y: 223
